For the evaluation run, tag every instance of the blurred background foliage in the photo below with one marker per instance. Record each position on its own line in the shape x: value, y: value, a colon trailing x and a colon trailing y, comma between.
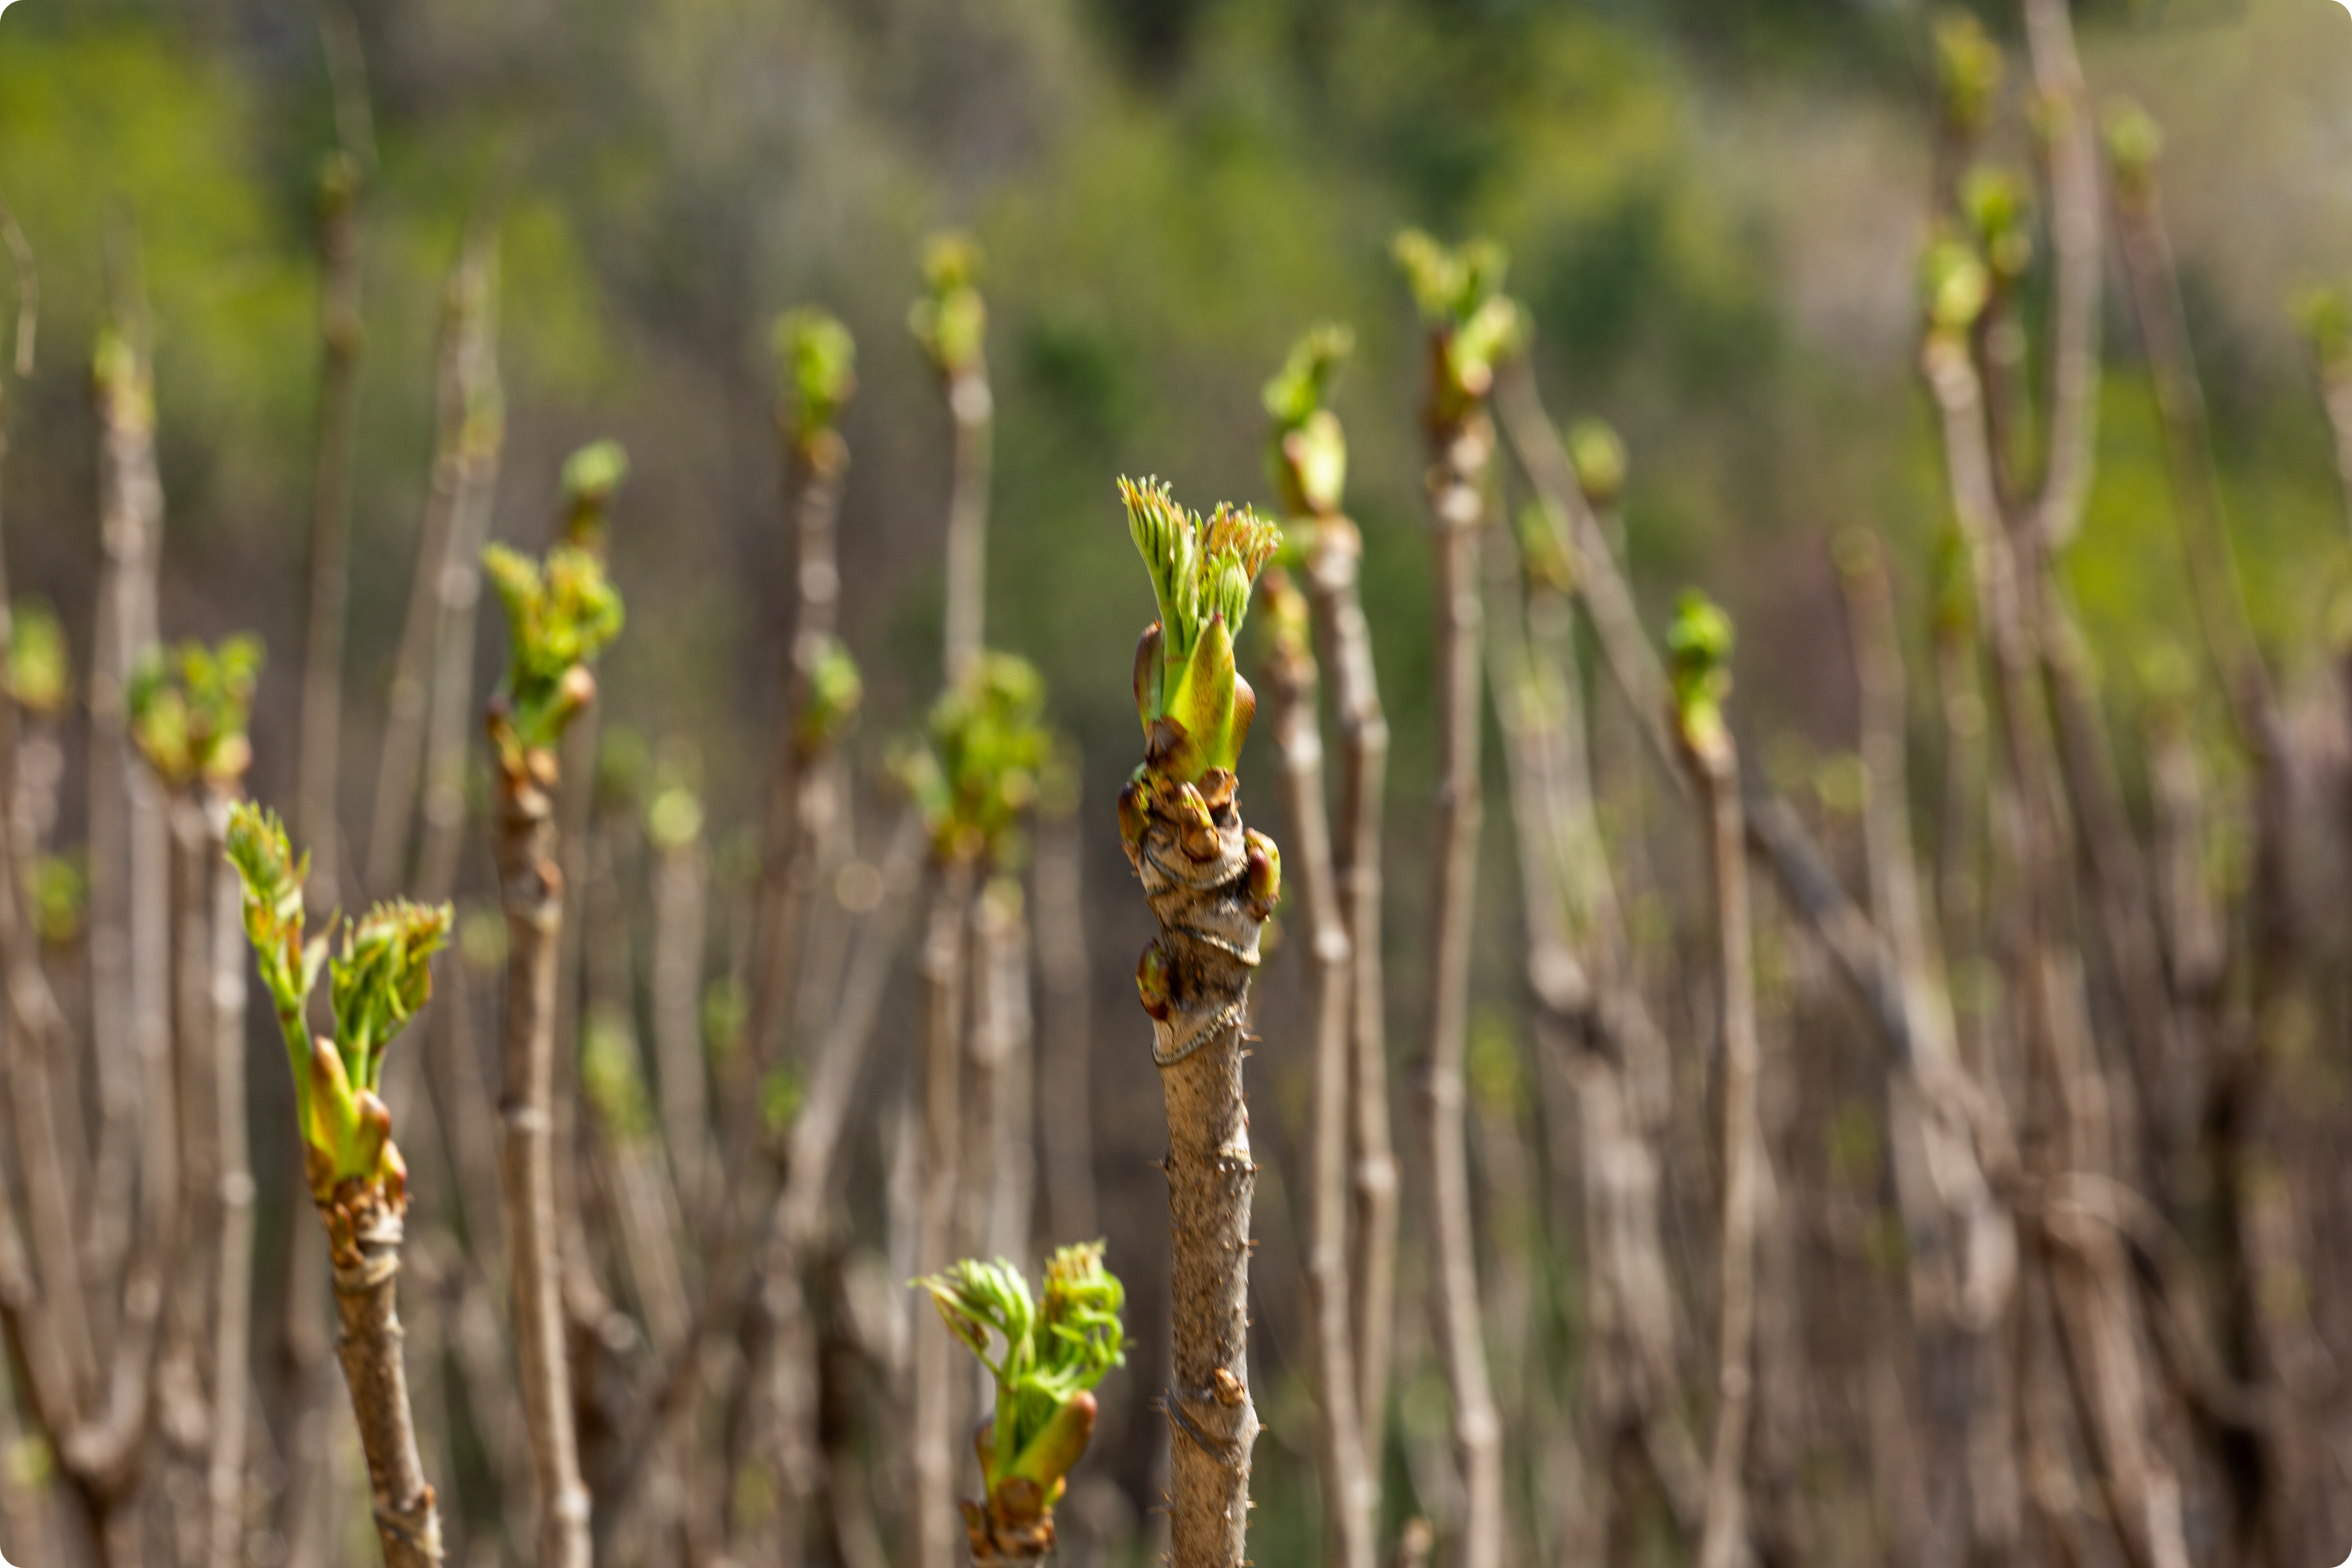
x: 1714, y: 212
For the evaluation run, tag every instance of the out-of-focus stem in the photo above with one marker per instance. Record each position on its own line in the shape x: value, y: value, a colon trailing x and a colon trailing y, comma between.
x: 340, y: 332
x: 233, y: 1311
x: 1333, y: 571
x: 1724, y: 1541
x: 972, y: 407
x: 1462, y: 452
x: 463, y: 305
x: 1065, y: 1079
x: 937, y: 1384
x: 531, y: 889
x: 1348, y: 1494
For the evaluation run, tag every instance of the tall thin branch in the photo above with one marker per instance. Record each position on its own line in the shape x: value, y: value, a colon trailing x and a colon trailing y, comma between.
x: 1348, y: 1492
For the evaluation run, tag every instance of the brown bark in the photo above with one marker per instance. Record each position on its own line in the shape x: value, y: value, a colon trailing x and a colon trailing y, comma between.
x: 366, y: 1256
x: 1208, y: 943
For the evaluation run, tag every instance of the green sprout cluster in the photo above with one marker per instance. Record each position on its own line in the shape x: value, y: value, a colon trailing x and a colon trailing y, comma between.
x: 1053, y: 1354
x: 950, y: 321
x: 1196, y: 709
x: 189, y: 710
x: 560, y: 615
x: 2325, y: 317
x: 819, y: 361
x: 1968, y: 72
x: 377, y: 981
x: 1998, y: 212
x: 39, y: 670
x: 2135, y: 141
x: 1597, y: 453
x: 1307, y: 456
x: 834, y: 690
x: 1475, y: 325
x: 974, y: 775
x: 1955, y: 287
x: 592, y: 476
x: 1698, y: 649
x: 119, y: 373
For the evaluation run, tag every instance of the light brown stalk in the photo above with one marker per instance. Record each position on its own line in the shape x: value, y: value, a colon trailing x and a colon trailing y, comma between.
x: 2074, y: 181
x: 531, y: 889
x: 1963, y: 1244
x: 407, y: 703
x: 972, y: 409
x: 1600, y: 582
x: 801, y: 803
x: 1724, y: 1540
x: 680, y: 897
x: 365, y: 1251
x: 459, y: 579
x: 128, y: 901
x: 1333, y: 570
x: 937, y: 1381
x: 1348, y: 1494
x: 1208, y: 947
x: 1001, y: 1048
x: 1064, y: 1078
x: 340, y: 333
x: 2266, y: 1328
x: 1462, y: 452
x: 233, y: 1307
x: 2099, y: 1338
x: 1590, y: 1021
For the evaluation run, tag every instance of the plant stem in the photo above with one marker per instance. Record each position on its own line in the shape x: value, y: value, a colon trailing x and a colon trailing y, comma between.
x: 367, y: 1272
x: 1348, y: 1492
x: 1724, y: 1542
x: 937, y: 1383
x: 233, y: 1312
x: 801, y: 805
x: 330, y: 496
x: 971, y: 409
x: 463, y: 308
x: 1064, y: 1081
x: 1458, y: 507
x: 458, y: 580
x: 531, y: 887
x: 1332, y: 579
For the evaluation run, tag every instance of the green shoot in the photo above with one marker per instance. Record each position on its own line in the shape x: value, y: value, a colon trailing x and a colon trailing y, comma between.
x: 950, y: 321
x: 1045, y: 1357
x: 591, y: 477
x: 1195, y: 708
x: 1475, y: 325
x: 975, y: 775
x: 834, y: 690
x: 189, y: 710
x: 1968, y: 72
x: 560, y: 616
x: 1308, y: 456
x: 39, y: 666
x: 819, y: 361
x: 377, y: 983
x: 1598, y: 455
x: 1698, y: 645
